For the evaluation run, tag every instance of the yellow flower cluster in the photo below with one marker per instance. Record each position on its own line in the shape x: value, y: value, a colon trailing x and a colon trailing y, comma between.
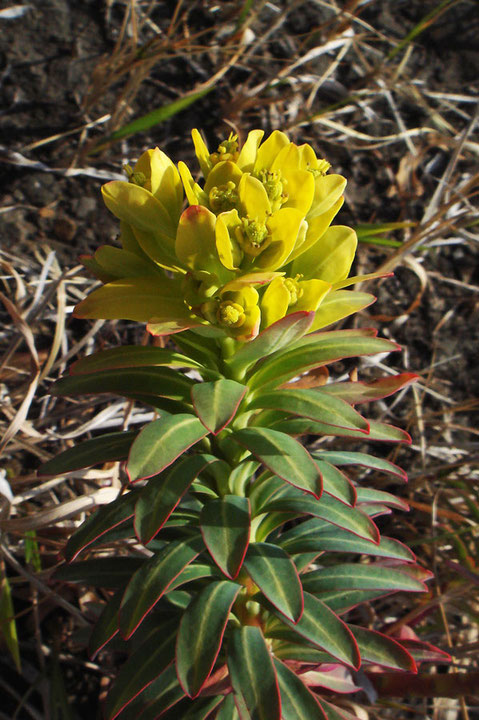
x: 254, y: 245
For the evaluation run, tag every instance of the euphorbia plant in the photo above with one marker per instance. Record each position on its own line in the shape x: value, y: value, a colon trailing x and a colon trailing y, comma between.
x: 254, y: 545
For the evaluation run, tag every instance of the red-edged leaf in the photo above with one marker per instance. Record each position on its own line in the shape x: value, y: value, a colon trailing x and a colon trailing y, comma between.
x: 278, y: 335
x: 321, y: 627
x: 297, y: 702
x: 369, y: 495
x: 247, y: 653
x: 109, y: 447
x: 153, y: 579
x: 335, y: 539
x: 216, y: 402
x: 103, y: 520
x: 425, y: 652
x: 284, y: 456
x: 201, y: 633
x: 360, y: 392
x: 334, y: 713
x: 158, y: 697
x: 312, y: 404
x: 329, y: 509
x: 314, y: 351
x: 143, y: 666
x: 380, y: 649
x: 273, y: 571
x: 355, y: 576
x: 225, y: 526
x: 129, y: 356
x: 161, y: 442
x: 153, y: 382
x: 340, y: 458
x: 336, y: 483
x: 163, y: 493
x: 106, y: 626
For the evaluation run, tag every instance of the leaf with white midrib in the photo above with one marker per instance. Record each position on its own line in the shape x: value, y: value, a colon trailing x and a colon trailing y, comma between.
x: 161, y: 442
x: 225, y: 526
x: 247, y: 651
x: 311, y: 404
x: 284, y: 456
x: 355, y: 576
x: 273, y: 571
x: 216, y: 402
x: 153, y: 579
x: 297, y: 702
x: 201, y: 633
x: 145, y: 664
x: 329, y: 509
x: 325, y: 630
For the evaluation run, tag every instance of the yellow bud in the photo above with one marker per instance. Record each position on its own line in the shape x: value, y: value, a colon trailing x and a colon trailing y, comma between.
x: 252, y: 236
x: 273, y: 183
x: 137, y: 178
x: 295, y: 291
x: 322, y: 169
x: 230, y: 314
x: 227, y: 150
x: 223, y: 197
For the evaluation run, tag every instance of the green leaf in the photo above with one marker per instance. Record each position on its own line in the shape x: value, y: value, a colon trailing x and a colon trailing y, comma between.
x: 358, y: 458
x: 161, y: 442
x: 320, y: 626
x: 335, y: 483
x: 382, y: 650
x: 300, y: 651
x: 360, y: 392
x: 198, y: 347
x: 161, y: 695
x: 228, y: 710
x: 334, y: 539
x: 196, y: 709
x: 155, y: 117
x: 368, y: 495
x: 107, y: 572
x: 153, y: 579
x: 314, y: 351
x: 216, y: 402
x: 149, y: 382
x: 342, y: 601
x: 103, y: 449
x: 201, y: 633
x: 129, y: 356
x: 334, y: 713
x: 106, y: 626
x: 331, y: 510
x: 143, y: 666
x: 252, y: 673
x: 354, y: 576
x: 8, y: 626
x: 314, y: 405
x: 297, y: 702
x: 273, y: 571
x: 225, y: 526
x: 284, y: 456
x: 278, y: 335
x: 193, y: 572
x: 104, y: 519
x: 264, y: 489
x: 163, y: 493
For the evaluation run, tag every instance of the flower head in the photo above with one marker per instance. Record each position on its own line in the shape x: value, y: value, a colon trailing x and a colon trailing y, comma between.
x: 254, y: 244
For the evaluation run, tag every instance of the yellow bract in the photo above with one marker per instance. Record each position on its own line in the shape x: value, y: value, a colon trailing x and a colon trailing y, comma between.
x: 254, y: 245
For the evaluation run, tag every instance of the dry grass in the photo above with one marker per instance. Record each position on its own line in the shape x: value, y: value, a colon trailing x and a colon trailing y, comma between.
x: 362, y: 85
